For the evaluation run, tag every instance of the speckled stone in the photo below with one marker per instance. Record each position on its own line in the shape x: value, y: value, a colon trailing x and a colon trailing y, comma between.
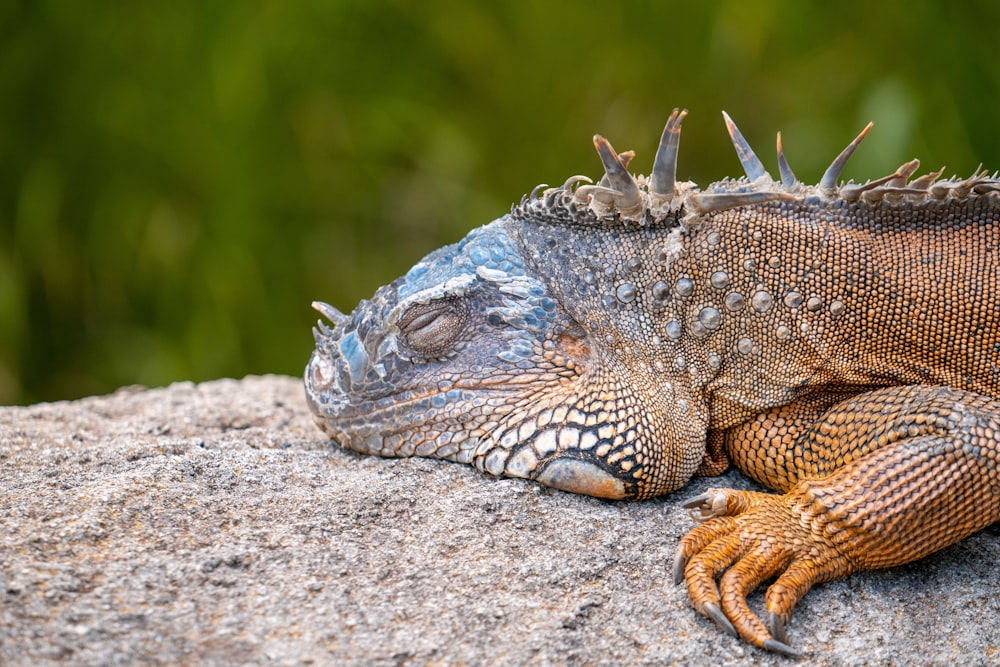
x: 214, y: 524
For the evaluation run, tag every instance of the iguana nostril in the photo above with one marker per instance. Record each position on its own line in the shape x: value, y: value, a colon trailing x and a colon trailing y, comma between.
x: 321, y: 373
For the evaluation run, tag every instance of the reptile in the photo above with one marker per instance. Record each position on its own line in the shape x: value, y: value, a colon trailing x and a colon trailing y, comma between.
x: 838, y: 343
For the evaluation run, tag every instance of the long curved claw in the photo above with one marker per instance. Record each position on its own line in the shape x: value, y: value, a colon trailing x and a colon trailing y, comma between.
x: 697, y: 501
x: 713, y: 612
x: 774, y: 646
x: 777, y: 627
x: 707, y: 505
x: 752, y: 165
x: 747, y: 572
x: 832, y: 174
x: 680, y: 563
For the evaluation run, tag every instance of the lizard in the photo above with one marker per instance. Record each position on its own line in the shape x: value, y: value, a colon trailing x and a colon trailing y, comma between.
x: 838, y: 343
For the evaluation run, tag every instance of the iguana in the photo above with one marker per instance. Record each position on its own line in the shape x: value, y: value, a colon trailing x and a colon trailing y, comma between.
x: 838, y: 343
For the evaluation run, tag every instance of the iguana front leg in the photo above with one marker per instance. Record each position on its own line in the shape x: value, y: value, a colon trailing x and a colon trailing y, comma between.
x: 905, y: 471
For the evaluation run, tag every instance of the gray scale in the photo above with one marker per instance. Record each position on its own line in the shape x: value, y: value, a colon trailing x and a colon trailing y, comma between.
x: 710, y: 318
x: 684, y: 287
x: 735, y: 302
x: 660, y: 290
x: 744, y: 346
x: 793, y: 299
x: 719, y: 280
x: 761, y: 301
x: 625, y: 293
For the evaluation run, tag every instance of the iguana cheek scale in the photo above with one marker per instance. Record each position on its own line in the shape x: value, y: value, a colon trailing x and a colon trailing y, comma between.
x: 839, y: 343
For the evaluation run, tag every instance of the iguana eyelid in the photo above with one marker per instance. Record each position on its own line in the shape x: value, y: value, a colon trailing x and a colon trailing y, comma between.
x: 453, y: 288
x: 434, y: 327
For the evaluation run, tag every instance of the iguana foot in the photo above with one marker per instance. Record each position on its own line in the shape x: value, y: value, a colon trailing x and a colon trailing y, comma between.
x: 915, y: 469
x: 747, y: 538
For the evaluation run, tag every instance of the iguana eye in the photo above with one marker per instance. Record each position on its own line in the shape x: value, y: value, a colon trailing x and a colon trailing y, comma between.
x: 431, y: 328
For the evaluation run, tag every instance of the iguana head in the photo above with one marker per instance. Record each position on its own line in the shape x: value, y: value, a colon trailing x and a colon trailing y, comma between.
x: 472, y: 357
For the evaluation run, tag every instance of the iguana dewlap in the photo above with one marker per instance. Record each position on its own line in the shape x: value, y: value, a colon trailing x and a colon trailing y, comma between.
x: 837, y: 343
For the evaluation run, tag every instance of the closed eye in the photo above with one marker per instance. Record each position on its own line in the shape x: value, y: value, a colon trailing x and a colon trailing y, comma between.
x: 431, y: 328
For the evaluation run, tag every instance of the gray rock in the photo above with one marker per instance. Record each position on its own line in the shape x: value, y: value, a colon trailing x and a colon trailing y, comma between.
x: 214, y: 524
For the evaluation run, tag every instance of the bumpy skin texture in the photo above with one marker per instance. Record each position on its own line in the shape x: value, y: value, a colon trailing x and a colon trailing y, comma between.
x: 840, y: 345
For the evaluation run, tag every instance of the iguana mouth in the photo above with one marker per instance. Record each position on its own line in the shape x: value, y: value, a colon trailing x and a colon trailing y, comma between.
x: 560, y: 457
x: 469, y: 421
x: 321, y: 379
x: 441, y: 421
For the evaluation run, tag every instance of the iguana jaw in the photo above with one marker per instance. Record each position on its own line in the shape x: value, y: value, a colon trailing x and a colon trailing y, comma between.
x: 534, y: 431
x: 524, y: 426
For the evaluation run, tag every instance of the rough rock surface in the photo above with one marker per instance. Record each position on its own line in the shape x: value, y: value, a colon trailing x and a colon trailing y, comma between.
x: 214, y: 524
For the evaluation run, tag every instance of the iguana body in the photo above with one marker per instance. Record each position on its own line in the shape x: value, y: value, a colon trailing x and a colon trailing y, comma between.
x: 840, y: 344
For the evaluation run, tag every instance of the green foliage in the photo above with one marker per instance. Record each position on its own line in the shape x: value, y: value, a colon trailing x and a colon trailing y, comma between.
x: 179, y: 180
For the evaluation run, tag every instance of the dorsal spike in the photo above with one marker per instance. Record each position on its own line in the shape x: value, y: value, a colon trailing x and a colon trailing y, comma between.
x: 832, y: 175
x: 573, y: 180
x: 664, y: 175
x: 963, y: 188
x: 618, y: 177
x: 552, y: 195
x: 896, y: 179
x: 331, y: 313
x: 714, y: 202
x: 987, y: 187
x: 538, y: 188
x: 623, y: 157
x: 925, y: 181
x: 904, y: 172
x: 751, y: 163
x: 787, y: 175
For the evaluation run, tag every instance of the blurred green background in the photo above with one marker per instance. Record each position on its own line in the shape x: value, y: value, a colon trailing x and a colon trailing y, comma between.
x: 179, y: 180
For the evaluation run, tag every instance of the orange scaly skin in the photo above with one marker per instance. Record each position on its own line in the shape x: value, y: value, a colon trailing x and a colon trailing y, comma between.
x: 839, y: 344
x: 884, y: 478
